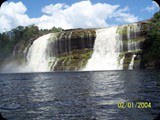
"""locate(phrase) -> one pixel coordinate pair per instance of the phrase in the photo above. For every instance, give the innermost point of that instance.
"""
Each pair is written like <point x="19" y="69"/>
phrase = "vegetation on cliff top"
<point x="25" y="35"/>
<point x="152" y="43"/>
<point x="21" y="34"/>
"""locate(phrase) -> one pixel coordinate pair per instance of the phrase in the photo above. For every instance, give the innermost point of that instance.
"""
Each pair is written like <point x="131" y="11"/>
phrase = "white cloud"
<point x="52" y="9"/>
<point x="11" y="15"/>
<point x="125" y="16"/>
<point x="81" y="14"/>
<point x="152" y="8"/>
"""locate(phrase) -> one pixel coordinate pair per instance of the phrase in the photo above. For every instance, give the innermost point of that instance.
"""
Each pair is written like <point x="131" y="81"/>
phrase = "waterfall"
<point x="38" y="56"/>
<point x="69" y="41"/>
<point x="114" y="48"/>
<point x="133" y="45"/>
<point x="133" y="33"/>
<point x="106" y="51"/>
<point x="132" y="63"/>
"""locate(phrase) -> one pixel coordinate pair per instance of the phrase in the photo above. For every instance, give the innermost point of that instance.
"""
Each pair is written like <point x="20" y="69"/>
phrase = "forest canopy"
<point x="9" y="39"/>
<point x="152" y="43"/>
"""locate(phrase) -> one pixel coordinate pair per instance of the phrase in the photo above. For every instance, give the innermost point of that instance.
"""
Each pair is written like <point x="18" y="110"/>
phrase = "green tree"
<point x="20" y="36"/>
<point x="54" y="29"/>
<point x="30" y="31"/>
<point x="152" y="43"/>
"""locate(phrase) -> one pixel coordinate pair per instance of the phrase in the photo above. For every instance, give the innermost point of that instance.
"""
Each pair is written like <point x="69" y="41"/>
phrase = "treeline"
<point x="9" y="39"/>
<point x="152" y="43"/>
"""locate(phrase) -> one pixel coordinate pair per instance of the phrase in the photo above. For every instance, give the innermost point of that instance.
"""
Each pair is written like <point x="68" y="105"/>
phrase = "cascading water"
<point x="115" y="48"/>
<point x="109" y="45"/>
<point x="133" y="45"/>
<point x="69" y="41"/>
<point x="38" y="56"/>
<point x="133" y="33"/>
<point x="107" y="48"/>
<point x="132" y="63"/>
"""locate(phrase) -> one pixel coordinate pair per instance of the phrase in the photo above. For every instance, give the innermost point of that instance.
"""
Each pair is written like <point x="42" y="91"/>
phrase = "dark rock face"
<point x="21" y="49"/>
<point x="73" y="39"/>
<point x="72" y="48"/>
<point x="133" y="37"/>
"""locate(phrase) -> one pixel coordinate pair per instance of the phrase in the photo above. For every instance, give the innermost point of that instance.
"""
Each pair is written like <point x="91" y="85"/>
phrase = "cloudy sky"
<point x="74" y="13"/>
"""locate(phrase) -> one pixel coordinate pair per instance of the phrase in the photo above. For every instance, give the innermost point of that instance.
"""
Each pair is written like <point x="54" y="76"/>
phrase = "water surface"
<point x="79" y="95"/>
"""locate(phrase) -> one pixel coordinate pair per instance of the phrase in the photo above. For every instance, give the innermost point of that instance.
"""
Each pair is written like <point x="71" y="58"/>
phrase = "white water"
<point x="69" y="41"/>
<point x="132" y="63"/>
<point x="107" y="48"/>
<point x="37" y="55"/>
<point x="135" y="29"/>
<point x="133" y="45"/>
<point x="106" y="51"/>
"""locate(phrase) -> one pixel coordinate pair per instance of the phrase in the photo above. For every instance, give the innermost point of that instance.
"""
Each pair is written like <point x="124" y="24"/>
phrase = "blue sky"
<point x="136" y="6"/>
<point x="74" y="13"/>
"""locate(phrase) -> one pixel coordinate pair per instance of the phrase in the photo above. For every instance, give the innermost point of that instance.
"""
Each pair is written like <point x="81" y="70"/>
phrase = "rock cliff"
<point x="70" y="50"/>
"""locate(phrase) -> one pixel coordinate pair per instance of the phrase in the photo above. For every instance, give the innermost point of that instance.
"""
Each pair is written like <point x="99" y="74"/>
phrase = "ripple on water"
<point x="78" y="95"/>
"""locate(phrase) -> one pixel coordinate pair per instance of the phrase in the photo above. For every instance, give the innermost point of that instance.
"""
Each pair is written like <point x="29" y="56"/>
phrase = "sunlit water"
<point x="79" y="95"/>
